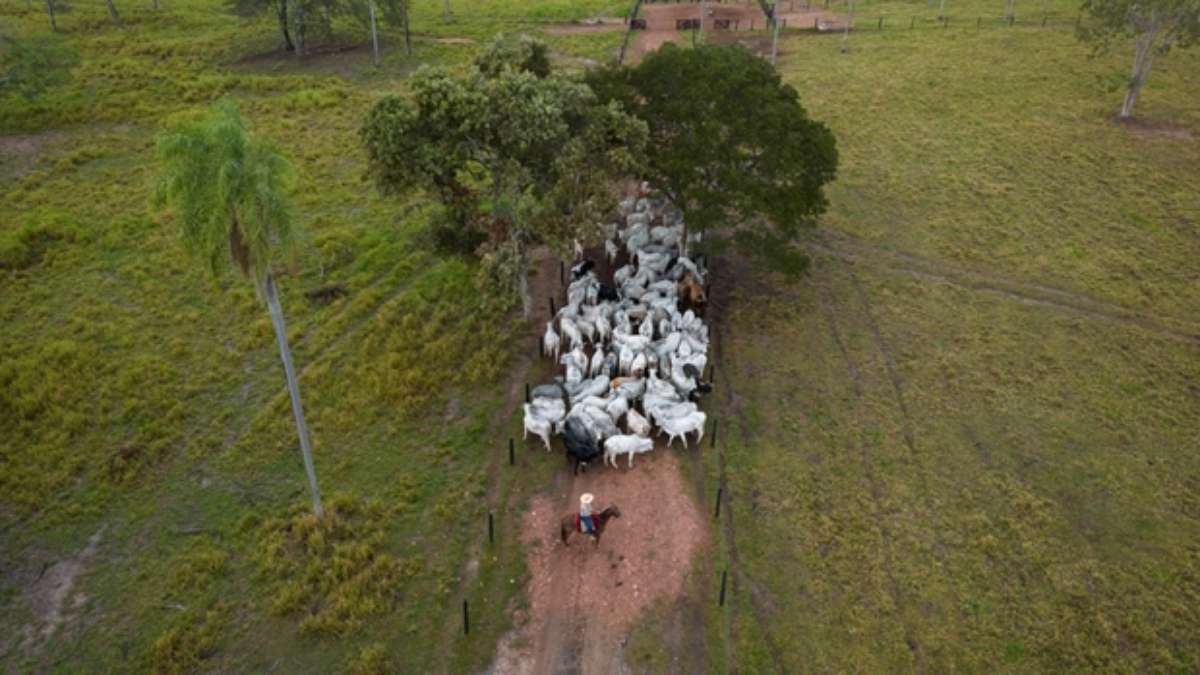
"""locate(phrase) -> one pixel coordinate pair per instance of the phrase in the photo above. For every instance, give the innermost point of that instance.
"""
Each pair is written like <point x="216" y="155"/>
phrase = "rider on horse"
<point x="586" y="525"/>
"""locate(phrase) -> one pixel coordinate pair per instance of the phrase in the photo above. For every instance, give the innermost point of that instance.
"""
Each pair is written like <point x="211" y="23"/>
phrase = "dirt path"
<point x="584" y="598"/>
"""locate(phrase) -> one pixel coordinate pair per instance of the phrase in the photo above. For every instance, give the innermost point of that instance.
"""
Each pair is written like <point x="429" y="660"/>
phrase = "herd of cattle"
<point x="633" y="351"/>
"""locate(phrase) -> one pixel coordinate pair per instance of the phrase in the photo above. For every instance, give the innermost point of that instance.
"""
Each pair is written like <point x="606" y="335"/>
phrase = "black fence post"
<point x="527" y="392"/>
<point x="881" y="23"/>
<point x="713" y="442"/>
<point x="718" y="512"/>
<point x="562" y="273"/>
<point x="467" y="617"/>
<point x="913" y="23"/>
<point x="978" y="21"/>
<point x="512" y="457"/>
<point x="723" y="573"/>
<point x="491" y="529"/>
<point x="552" y="310"/>
<point x="1043" y="21"/>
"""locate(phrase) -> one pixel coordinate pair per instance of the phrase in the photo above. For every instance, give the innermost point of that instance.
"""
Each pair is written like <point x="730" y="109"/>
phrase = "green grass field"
<point x="967" y="441"/>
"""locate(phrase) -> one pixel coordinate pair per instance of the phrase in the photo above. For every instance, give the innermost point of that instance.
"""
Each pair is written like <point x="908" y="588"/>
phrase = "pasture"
<point x="967" y="440"/>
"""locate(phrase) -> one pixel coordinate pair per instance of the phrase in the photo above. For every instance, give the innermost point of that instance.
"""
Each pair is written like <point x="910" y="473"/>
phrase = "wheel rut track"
<point x="723" y="271"/>
<point x="855" y="252"/>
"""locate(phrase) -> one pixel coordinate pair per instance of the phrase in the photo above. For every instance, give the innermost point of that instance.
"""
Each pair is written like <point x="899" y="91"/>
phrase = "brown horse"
<point x="691" y="291"/>
<point x="600" y="520"/>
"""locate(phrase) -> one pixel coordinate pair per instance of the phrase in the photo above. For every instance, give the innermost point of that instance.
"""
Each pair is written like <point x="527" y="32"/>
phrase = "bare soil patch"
<point x="583" y="598"/>
<point x="1155" y="129"/>
<point x="603" y="25"/>
<point x="48" y="590"/>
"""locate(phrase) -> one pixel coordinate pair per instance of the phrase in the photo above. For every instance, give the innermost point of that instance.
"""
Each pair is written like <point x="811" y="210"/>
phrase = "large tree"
<point x="517" y="155"/>
<point x="228" y="192"/>
<point x="29" y="66"/>
<point x="733" y="147"/>
<point x="1155" y="25"/>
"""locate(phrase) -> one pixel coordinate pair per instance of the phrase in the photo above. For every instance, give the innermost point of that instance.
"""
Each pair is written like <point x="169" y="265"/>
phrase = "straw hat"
<point x="585" y="499"/>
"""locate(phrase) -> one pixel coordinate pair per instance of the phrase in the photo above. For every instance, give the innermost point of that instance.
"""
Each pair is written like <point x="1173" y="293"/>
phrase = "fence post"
<point x="713" y="440"/>
<point x="881" y="23"/>
<point x="467" y="618"/>
<point x="1043" y="20"/>
<point x="1011" y="19"/>
<point x="552" y="310"/>
<point x="816" y="28"/>
<point x="491" y="529"/>
<point x="512" y="457"/>
<point x="527" y="392"/>
<point x="562" y="273"/>
<point x="718" y="512"/>
<point x="722" y="603"/>
<point x="912" y="24"/>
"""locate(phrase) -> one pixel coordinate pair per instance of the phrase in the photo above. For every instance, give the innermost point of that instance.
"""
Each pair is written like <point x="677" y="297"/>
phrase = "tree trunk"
<point x="775" y="36"/>
<point x="112" y="12"/>
<point x="50" y="8"/>
<point x="407" y="35"/>
<point x="1142" y="60"/>
<point x="637" y="5"/>
<point x="846" y="28"/>
<point x="523" y="287"/>
<point x="942" y="9"/>
<point x="374" y="32"/>
<point x="299" y="29"/>
<point x="156" y="5"/>
<point x="294" y="391"/>
<point x="446" y="10"/>
<point x="282" y="13"/>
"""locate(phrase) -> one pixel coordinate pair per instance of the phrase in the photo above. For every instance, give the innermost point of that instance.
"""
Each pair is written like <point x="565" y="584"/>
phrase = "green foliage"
<point x="1171" y="22"/>
<point x="30" y="66"/>
<point x="520" y="52"/>
<point x="332" y="571"/>
<point x="733" y="147"/>
<point x="228" y="191"/>
<point x="512" y="153"/>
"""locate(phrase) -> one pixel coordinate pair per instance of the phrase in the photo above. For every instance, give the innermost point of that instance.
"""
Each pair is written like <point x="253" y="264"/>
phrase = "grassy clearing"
<point x="143" y="400"/>
<point x="926" y="476"/>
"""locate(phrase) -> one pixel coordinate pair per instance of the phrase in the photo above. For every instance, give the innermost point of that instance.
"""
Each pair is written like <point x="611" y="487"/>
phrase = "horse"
<point x="570" y="524"/>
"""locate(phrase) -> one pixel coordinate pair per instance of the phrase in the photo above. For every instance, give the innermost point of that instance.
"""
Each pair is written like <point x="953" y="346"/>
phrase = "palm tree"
<point x="228" y="191"/>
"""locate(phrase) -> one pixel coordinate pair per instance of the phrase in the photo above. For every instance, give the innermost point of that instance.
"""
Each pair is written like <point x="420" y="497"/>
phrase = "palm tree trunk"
<point x="112" y="12"/>
<point x="50" y="8"/>
<point x="294" y="390"/>
<point x="374" y="32"/>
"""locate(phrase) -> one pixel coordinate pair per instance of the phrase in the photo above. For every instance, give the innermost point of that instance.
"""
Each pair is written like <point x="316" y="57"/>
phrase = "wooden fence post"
<point x="722" y="602"/>
<point x="467" y="618"/>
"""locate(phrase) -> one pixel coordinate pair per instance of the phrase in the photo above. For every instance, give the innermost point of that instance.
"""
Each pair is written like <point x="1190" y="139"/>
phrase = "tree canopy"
<point x="1155" y="25"/>
<point x="228" y="191"/>
<point x="732" y="146"/>
<point x="30" y="66"/>
<point x="518" y="155"/>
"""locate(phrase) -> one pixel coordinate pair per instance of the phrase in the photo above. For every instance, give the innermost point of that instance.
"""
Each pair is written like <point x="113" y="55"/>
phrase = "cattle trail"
<point x="584" y="598"/>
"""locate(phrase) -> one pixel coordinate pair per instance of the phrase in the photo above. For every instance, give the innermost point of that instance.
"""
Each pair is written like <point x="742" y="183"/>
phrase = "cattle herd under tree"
<point x="648" y="346"/>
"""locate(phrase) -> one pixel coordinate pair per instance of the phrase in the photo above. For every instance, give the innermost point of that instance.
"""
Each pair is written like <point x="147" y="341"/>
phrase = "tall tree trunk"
<point x="637" y="5"/>
<point x="1142" y="61"/>
<point x="775" y="36"/>
<point x="294" y="391"/>
<point x="50" y="8"/>
<point x="299" y="29"/>
<point x="407" y="34"/>
<point x="523" y="287"/>
<point x="846" y="28"/>
<point x="446" y="10"/>
<point x="374" y="32"/>
<point x="112" y="12"/>
<point x="282" y="13"/>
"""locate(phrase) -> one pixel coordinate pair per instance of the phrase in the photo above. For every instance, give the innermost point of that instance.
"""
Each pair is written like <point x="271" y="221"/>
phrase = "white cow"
<point x="629" y="445"/>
